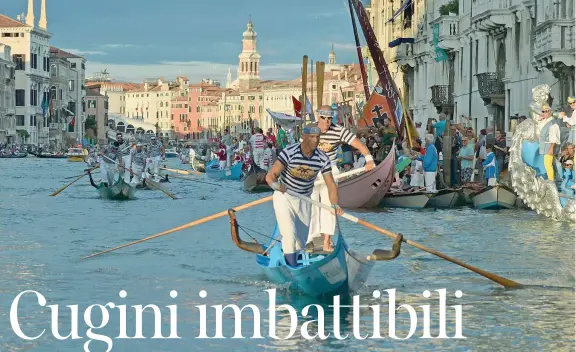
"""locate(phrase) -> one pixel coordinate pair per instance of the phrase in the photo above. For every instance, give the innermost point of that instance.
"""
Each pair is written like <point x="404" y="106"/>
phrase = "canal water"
<point x="43" y="238"/>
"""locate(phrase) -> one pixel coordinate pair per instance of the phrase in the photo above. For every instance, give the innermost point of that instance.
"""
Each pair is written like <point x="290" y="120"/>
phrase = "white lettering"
<point x="14" y="322"/>
<point x="272" y="315"/>
<point x="392" y="316"/>
<point x="337" y="319"/>
<point x="304" y="329"/>
<point x="237" y="321"/>
<point x="90" y="334"/>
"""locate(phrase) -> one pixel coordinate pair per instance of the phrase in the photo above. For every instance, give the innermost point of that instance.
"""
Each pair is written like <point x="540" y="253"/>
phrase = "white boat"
<point x="494" y="197"/>
<point x="171" y="153"/>
<point x="446" y="198"/>
<point x="409" y="200"/>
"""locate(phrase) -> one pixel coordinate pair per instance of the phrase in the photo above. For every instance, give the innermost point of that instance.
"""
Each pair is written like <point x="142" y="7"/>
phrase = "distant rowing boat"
<point x="13" y="156"/>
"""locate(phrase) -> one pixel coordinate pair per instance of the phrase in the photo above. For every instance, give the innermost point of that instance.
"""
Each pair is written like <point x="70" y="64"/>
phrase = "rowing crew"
<point x="298" y="167"/>
<point x="121" y="155"/>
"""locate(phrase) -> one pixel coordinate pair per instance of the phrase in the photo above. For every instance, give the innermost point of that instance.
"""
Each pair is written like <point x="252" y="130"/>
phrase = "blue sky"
<point x="137" y="39"/>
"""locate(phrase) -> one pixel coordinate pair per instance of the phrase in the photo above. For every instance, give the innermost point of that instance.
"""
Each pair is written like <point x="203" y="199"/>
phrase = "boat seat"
<point x="304" y="258"/>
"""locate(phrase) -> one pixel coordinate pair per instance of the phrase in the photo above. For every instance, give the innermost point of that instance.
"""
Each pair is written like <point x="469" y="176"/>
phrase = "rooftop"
<point x="7" y="22"/>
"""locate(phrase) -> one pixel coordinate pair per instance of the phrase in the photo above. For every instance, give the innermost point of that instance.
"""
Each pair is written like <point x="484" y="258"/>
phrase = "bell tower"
<point x="249" y="59"/>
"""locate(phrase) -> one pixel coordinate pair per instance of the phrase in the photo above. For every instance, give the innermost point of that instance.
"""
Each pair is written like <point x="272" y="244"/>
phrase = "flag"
<point x="51" y="107"/>
<point x="44" y="105"/>
<point x="297" y="107"/>
<point x="309" y="109"/>
<point x="73" y="122"/>
<point x="286" y="121"/>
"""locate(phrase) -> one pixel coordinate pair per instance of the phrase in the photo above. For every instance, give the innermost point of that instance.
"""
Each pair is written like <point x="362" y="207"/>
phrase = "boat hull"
<point x="255" y="182"/>
<point x="14" y="156"/>
<point x="340" y="271"/>
<point x="368" y="189"/>
<point x="233" y="174"/>
<point x="198" y="165"/>
<point x="76" y="158"/>
<point x="120" y="190"/>
<point x="448" y="198"/>
<point x="494" y="197"/>
<point x="44" y="156"/>
<point x="416" y="200"/>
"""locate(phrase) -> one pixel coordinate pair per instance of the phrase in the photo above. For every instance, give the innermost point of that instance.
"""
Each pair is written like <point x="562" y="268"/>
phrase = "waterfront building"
<point x="30" y="46"/>
<point x="476" y="60"/>
<point x="96" y="115"/>
<point x="7" y="96"/>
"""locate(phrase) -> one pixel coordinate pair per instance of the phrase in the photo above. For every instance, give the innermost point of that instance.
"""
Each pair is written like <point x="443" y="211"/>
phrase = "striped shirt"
<point x="124" y="148"/>
<point x="139" y="157"/>
<point x="300" y="172"/>
<point x="111" y="152"/>
<point x="257" y="141"/>
<point x="155" y="149"/>
<point x="331" y="140"/>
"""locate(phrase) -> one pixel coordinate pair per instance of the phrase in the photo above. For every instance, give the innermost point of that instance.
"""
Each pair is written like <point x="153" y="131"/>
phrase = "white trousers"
<point x="322" y="221"/>
<point x="293" y="217"/>
<point x="109" y="172"/>
<point x="127" y="161"/>
<point x="223" y="164"/>
<point x="155" y="164"/>
<point x="492" y="181"/>
<point x="139" y="175"/>
<point x="228" y="156"/>
<point x="258" y="154"/>
<point x="430" y="180"/>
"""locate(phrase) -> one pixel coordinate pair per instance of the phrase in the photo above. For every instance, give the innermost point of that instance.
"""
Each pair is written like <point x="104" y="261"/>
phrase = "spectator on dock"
<point x="466" y="157"/>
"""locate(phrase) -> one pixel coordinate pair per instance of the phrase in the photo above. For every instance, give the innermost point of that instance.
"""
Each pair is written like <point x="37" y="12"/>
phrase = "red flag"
<point x="73" y="122"/>
<point x="297" y="107"/>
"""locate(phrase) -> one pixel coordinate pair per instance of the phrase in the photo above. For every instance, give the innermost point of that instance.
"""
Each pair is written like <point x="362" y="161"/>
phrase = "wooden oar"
<point x="498" y="279"/>
<point x="70" y="184"/>
<point x="181" y="172"/>
<point x="188" y="225"/>
<point x="152" y="183"/>
<point x="190" y="179"/>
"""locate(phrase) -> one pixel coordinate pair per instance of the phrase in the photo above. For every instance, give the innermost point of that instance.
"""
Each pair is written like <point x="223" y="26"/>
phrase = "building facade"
<point x="476" y="60"/>
<point x="30" y="45"/>
<point x="7" y="96"/>
<point x="96" y="115"/>
<point x="67" y="98"/>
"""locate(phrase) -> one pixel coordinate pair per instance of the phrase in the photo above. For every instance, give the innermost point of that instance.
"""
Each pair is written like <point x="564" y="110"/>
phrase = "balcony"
<point x="448" y="32"/>
<point x="491" y="88"/>
<point x="442" y="96"/>
<point x="554" y="42"/>
<point x="492" y="14"/>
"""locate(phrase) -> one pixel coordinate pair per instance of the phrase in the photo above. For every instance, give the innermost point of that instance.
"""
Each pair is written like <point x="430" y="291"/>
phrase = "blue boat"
<point x="233" y="174"/>
<point x="318" y="273"/>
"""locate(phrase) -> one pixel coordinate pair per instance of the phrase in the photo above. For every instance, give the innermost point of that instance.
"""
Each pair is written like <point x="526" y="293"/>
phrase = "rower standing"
<point x="322" y="221"/>
<point x="156" y="152"/>
<point x="110" y="156"/>
<point x="139" y="157"/>
<point x="124" y="150"/>
<point x="298" y="166"/>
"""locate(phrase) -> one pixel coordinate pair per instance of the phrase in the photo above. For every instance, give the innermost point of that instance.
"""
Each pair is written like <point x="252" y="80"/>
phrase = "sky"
<point x="136" y="40"/>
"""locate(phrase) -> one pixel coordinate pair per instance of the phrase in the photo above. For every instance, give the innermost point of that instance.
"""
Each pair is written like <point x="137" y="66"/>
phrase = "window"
<point x="53" y="71"/>
<point x="20" y="61"/>
<point x="91" y="104"/>
<point x="71" y="85"/>
<point x="33" y="97"/>
<point x="34" y="61"/>
<point x="72" y="65"/>
<point x="20" y="120"/>
<point x="20" y="97"/>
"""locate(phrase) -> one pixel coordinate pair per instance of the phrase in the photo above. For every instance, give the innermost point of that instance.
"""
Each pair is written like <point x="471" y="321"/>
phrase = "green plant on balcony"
<point x="447" y="9"/>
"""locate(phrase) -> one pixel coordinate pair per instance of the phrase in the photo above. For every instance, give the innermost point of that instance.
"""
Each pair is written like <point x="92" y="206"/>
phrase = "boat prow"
<point x="120" y="190"/>
<point x="494" y="197"/>
<point x="255" y="181"/>
<point x="368" y="189"/>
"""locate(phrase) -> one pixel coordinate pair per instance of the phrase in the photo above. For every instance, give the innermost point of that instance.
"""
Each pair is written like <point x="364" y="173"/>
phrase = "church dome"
<point x="249" y="33"/>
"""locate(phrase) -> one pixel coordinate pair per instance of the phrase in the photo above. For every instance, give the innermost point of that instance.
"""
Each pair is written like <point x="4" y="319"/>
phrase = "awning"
<point x="400" y="10"/>
<point x="399" y="41"/>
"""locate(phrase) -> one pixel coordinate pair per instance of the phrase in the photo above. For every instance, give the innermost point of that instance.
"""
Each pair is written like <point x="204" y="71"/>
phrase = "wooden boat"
<point x="368" y="189"/>
<point x="446" y="198"/>
<point x="255" y="181"/>
<point x="233" y="174"/>
<point x="494" y="197"/>
<point x="52" y="156"/>
<point x="77" y="154"/>
<point x="409" y="200"/>
<point x="198" y="165"/>
<point x="120" y="190"/>
<point x="318" y="273"/>
<point x="15" y="155"/>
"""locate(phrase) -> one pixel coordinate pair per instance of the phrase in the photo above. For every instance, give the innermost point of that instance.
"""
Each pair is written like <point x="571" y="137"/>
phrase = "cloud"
<point x="116" y="46"/>
<point x="84" y="52"/>
<point x="194" y="70"/>
<point x="327" y="14"/>
<point x="344" y="46"/>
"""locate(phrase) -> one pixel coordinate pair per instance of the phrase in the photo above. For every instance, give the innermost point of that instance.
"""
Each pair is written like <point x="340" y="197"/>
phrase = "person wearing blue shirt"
<point x="430" y="163"/>
<point x="490" y="167"/>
